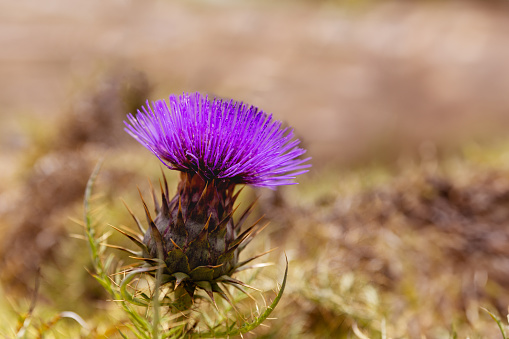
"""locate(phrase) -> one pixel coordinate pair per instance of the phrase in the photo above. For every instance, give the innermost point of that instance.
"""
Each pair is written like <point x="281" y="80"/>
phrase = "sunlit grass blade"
<point x="499" y="323"/>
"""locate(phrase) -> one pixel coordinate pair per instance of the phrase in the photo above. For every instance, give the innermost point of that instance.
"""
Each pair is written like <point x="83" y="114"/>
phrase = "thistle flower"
<point x="216" y="144"/>
<point x="218" y="139"/>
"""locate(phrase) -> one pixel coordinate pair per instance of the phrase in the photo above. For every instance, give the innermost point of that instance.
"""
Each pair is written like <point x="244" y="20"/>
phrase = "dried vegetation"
<point x="417" y="252"/>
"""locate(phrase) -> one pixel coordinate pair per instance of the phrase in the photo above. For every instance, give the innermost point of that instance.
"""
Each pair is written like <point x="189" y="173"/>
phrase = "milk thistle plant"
<point x="193" y="242"/>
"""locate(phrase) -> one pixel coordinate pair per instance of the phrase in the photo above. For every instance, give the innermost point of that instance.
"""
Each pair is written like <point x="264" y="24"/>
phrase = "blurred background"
<point x="403" y="106"/>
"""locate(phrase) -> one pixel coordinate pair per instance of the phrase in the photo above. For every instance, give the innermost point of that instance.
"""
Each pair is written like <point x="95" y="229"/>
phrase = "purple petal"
<point x="219" y="139"/>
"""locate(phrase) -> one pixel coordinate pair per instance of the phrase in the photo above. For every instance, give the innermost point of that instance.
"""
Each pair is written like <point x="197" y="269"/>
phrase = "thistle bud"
<point x="196" y="229"/>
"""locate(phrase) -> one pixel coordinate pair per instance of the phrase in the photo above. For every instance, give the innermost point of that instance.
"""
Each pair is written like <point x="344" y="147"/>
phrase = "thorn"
<point x="244" y="235"/>
<point x="251" y="237"/>
<point x="174" y="244"/>
<point x="158" y="239"/>
<point x="147" y="213"/>
<point x="136" y="220"/>
<point x="217" y="289"/>
<point x="165" y="182"/>
<point x="179" y="277"/>
<point x="245" y="262"/>
<point x="164" y="201"/>
<point x="232" y="281"/>
<point x="180" y="215"/>
<point x="203" y="193"/>
<point x="247" y="212"/>
<point x="134" y="239"/>
<point x="179" y="227"/>
<point x="236" y="195"/>
<point x="240" y="288"/>
<point x="153" y="192"/>
<point x="121" y="248"/>
<point x="205" y="228"/>
<point x="206" y="286"/>
<point x="225" y="220"/>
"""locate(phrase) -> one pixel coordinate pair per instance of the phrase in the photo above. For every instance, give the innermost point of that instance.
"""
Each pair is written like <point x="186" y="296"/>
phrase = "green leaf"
<point x="125" y="282"/>
<point x="198" y="250"/>
<point x="177" y="261"/>
<point x="202" y="273"/>
<point x="180" y="277"/>
<point x="122" y="334"/>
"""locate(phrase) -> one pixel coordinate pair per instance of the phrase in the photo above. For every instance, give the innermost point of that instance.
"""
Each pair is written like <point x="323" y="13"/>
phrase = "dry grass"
<point x="414" y="251"/>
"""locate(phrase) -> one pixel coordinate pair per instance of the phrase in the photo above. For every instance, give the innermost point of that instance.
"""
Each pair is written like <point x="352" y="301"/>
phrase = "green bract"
<point x="197" y="236"/>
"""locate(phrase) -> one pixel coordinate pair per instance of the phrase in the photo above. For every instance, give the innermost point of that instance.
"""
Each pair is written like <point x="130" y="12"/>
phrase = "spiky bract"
<point x="196" y="234"/>
<point x="219" y="139"/>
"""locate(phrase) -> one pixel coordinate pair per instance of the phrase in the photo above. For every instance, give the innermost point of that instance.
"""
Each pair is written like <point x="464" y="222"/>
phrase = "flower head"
<point x="219" y="139"/>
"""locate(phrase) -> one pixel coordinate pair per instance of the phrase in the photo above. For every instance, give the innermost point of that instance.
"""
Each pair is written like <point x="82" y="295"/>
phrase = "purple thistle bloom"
<point x="219" y="139"/>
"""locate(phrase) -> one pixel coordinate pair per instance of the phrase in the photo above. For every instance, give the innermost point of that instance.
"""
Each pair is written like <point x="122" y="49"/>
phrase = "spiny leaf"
<point x="132" y="238"/>
<point x="179" y="232"/>
<point x="183" y="297"/>
<point x="198" y="250"/>
<point x="246" y="213"/>
<point x="147" y="213"/>
<point x="153" y="192"/>
<point x="165" y="182"/>
<point x="229" y="255"/>
<point x="177" y="261"/>
<point x="190" y="288"/>
<point x="245" y="262"/>
<point x="175" y="245"/>
<point x="236" y="195"/>
<point x="202" y="273"/>
<point x="152" y="260"/>
<point x="246" y="233"/>
<point x="180" y="277"/>
<point x="218" y="290"/>
<point x="232" y="281"/>
<point x="240" y="288"/>
<point x="134" y="253"/>
<point x="227" y="260"/>
<point x="125" y="282"/>
<point x="251" y="237"/>
<point x="156" y="237"/>
<point x="222" y="224"/>
<point x="207" y="287"/>
<point x="136" y="220"/>
<point x="206" y="190"/>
